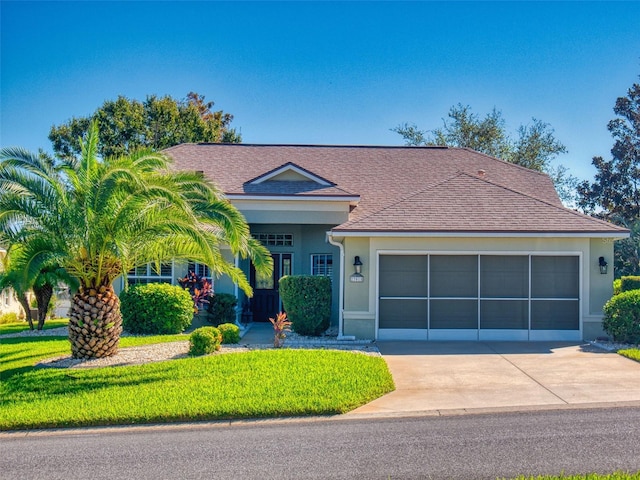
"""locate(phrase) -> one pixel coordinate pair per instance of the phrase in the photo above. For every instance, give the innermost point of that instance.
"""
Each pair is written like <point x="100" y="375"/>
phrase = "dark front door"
<point x="265" y="303"/>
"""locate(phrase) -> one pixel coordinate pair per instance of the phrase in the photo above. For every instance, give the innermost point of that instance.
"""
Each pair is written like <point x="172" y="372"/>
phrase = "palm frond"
<point x="94" y="219"/>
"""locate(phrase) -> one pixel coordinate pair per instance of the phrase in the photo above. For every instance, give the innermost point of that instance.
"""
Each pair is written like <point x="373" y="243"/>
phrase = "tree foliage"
<point x="535" y="146"/>
<point x="616" y="188"/>
<point x="156" y="123"/>
<point x="615" y="192"/>
<point x="12" y="277"/>
<point x="15" y="274"/>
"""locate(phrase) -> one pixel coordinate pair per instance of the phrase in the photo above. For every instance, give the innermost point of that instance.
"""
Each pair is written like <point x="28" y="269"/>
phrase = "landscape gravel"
<point x="175" y="350"/>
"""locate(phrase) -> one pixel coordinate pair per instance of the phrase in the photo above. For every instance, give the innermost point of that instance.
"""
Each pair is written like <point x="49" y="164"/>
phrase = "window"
<point x="200" y="270"/>
<point x="149" y="274"/>
<point x="275" y="239"/>
<point x="322" y="264"/>
<point x="6" y="294"/>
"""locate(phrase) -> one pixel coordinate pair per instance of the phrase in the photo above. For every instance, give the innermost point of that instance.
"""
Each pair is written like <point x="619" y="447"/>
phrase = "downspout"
<point x="236" y="292"/>
<point x="341" y="335"/>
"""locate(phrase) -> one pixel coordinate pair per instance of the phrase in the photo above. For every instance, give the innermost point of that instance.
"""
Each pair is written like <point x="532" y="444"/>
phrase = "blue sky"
<point x="325" y="73"/>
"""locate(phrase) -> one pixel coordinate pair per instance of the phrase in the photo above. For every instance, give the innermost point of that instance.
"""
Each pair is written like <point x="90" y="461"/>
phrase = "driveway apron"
<point x="437" y="376"/>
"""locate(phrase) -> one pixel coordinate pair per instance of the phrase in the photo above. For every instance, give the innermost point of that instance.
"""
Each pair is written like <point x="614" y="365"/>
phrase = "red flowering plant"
<point x="199" y="287"/>
<point x="280" y="326"/>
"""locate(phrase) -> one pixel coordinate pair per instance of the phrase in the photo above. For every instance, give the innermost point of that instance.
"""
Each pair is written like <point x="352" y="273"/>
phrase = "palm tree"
<point x="12" y="278"/>
<point x="15" y="275"/>
<point x="44" y="285"/>
<point x="99" y="218"/>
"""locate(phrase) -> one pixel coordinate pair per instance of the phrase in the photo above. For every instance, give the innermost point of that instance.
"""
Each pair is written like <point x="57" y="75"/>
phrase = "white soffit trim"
<point x="290" y="167"/>
<point x="616" y="236"/>
<point x="295" y="198"/>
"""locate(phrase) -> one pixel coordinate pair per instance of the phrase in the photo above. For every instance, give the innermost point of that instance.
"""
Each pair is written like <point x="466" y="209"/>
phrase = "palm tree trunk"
<point x="95" y="323"/>
<point x="43" y="298"/>
<point x="27" y="309"/>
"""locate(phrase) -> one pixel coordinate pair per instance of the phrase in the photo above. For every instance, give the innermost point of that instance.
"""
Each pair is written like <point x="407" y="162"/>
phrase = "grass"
<point x="18" y="327"/>
<point x="264" y="383"/>
<point x="588" y="476"/>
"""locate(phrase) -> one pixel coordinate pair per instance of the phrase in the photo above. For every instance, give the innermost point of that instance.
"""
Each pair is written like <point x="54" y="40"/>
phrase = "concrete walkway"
<point x="454" y="377"/>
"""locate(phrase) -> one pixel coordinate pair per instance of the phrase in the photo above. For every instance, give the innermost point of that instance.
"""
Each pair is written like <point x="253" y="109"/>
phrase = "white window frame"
<point x="6" y="297"/>
<point x="328" y="270"/>
<point x="275" y="239"/>
<point x="150" y="277"/>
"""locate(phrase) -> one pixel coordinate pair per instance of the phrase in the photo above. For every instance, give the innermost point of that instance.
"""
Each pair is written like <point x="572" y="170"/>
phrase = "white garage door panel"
<point x="402" y="334"/>
<point x="555" y="335"/>
<point x="504" y="335"/>
<point x="444" y="334"/>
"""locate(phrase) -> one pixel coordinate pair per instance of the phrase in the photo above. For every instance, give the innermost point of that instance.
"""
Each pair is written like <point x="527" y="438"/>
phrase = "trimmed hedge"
<point x="156" y="308"/>
<point x="617" y="286"/>
<point x="307" y="301"/>
<point x="622" y="317"/>
<point x="230" y="333"/>
<point x="222" y="308"/>
<point x="629" y="283"/>
<point x="204" y="340"/>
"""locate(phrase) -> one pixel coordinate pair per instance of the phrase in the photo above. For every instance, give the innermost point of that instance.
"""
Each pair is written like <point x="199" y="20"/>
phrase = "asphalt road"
<point x="453" y="447"/>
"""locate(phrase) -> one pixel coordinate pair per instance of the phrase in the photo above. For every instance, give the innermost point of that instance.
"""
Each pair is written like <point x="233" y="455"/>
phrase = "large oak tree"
<point x="615" y="192"/>
<point x="156" y="123"/>
<point x="535" y="146"/>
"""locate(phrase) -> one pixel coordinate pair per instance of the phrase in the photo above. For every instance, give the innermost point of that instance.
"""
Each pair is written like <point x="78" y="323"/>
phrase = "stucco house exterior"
<point x="429" y="243"/>
<point x="8" y="300"/>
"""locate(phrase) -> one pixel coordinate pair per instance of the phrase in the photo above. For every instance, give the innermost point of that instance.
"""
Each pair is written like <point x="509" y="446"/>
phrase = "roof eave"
<point x="617" y="235"/>
<point x="294" y="198"/>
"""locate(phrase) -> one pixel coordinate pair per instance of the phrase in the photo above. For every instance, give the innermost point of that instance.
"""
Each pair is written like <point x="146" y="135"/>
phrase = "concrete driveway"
<point x="454" y="377"/>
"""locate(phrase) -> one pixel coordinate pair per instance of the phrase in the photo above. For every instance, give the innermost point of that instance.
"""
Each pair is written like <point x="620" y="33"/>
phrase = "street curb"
<point x="454" y="412"/>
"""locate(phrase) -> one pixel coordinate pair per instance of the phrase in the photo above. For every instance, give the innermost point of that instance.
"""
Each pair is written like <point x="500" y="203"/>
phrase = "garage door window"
<point x="403" y="291"/>
<point x="504" y="292"/>
<point x="454" y="291"/>
<point x="555" y="294"/>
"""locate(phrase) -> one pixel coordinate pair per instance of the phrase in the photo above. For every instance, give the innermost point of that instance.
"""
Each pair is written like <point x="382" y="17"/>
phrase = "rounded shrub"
<point x="222" y="308"/>
<point x="9" y="317"/>
<point x="230" y="333"/>
<point x="307" y="301"/>
<point x="156" y="308"/>
<point x="622" y="317"/>
<point x="204" y="340"/>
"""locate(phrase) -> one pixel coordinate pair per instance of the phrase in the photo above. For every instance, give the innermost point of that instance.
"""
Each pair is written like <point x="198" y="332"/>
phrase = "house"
<point x="8" y="300"/>
<point x="420" y="242"/>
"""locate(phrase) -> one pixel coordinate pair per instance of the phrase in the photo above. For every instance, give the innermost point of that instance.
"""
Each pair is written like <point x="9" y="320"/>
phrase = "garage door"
<point x="479" y="297"/>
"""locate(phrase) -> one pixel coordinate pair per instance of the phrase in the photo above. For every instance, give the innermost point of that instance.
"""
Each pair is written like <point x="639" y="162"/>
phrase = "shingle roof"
<point x="401" y="189"/>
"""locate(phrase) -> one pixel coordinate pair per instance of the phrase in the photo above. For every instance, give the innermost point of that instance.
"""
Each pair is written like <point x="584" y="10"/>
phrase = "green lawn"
<point x="266" y="383"/>
<point x="21" y="326"/>
<point x="588" y="476"/>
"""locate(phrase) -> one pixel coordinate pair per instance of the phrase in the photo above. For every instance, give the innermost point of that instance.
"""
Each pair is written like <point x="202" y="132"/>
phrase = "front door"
<point x="265" y="303"/>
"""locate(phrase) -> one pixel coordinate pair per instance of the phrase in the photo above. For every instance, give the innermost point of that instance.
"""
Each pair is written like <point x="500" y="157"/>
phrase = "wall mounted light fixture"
<point x="357" y="276"/>
<point x="602" y="263"/>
